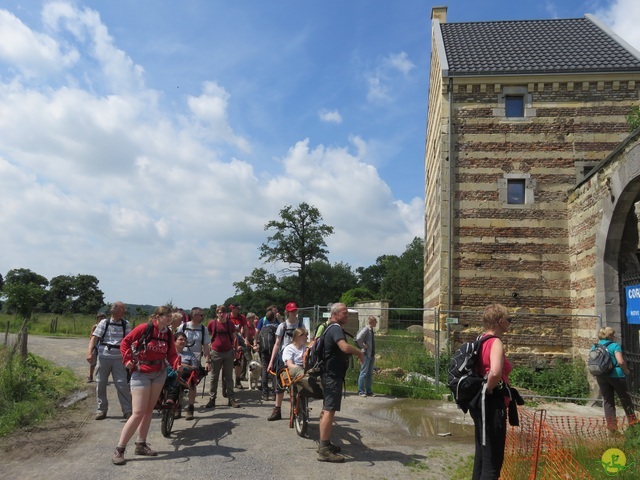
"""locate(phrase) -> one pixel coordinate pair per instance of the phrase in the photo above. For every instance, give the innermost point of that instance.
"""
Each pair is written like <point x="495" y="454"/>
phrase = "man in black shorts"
<point x="336" y="355"/>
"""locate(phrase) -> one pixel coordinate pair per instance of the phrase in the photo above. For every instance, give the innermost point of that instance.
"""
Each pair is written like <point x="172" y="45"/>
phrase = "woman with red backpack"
<point x="145" y="351"/>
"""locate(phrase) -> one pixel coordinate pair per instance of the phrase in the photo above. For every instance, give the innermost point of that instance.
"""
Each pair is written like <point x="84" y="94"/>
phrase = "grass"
<point x="30" y="391"/>
<point x="52" y="324"/>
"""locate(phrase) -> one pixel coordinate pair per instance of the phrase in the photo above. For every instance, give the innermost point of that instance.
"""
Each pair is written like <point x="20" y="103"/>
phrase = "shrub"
<point x="563" y="379"/>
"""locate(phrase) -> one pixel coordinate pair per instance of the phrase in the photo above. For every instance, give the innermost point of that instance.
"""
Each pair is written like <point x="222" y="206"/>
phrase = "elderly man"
<point x="336" y="355"/>
<point x="364" y="338"/>
<point x="199" y="343"/>
<point x="107" y="336"/>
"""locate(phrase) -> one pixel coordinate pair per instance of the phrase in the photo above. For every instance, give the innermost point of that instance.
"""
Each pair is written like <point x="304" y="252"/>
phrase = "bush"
<point x="563" y="379"/>
<point x="30" y="390"/>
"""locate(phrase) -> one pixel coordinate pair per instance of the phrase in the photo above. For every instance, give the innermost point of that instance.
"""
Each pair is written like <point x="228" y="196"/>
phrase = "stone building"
<point x="531" y="172"/>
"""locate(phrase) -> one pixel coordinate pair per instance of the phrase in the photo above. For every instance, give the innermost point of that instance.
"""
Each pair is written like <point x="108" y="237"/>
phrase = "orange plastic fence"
<point x="547" y="447"/>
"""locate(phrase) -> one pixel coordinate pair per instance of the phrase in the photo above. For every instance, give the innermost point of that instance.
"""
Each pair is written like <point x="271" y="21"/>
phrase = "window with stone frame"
<point x="514" y="104"/>
<point x="516" y="190"/>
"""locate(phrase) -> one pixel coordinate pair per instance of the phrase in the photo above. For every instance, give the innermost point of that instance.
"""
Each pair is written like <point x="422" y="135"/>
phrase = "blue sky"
<point x="148" y="143"/>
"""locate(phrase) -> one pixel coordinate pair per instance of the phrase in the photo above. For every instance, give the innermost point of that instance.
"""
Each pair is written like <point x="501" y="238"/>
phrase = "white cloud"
<point x="31" y="53"/>
<point x="155" y="200"/>
<point x="381" y="80"/>
<point x="400" y="62"/>
<point x="623" y="16"/>
<point x="330" y="116"/>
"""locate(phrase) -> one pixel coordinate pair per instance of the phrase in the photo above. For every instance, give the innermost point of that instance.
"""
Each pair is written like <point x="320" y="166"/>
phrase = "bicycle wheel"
<point x="301" y="415"/>
<point x="167" y="421"/>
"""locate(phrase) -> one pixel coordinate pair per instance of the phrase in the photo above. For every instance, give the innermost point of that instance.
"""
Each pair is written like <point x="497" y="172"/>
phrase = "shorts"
<point x="145" y="380"/>
<point x="332" y="388"/>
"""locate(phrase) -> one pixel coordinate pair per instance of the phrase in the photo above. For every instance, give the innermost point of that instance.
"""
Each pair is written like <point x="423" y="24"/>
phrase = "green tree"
<point x="403" y="282"/>
<point x="326" y="283"/>
<point x="259" y="290"/>
<point x="371" y="277"/>
<point x="60" y="294"/>
<point x="355" y="295"/>
<point x="87" y="297"/>
<point x="633" y="119"/>
<point x="298" y="238"/>
<point x="24" y="292"/>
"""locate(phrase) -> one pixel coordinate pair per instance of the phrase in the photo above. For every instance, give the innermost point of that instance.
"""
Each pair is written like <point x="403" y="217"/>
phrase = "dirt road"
<point x="225" y="442"/>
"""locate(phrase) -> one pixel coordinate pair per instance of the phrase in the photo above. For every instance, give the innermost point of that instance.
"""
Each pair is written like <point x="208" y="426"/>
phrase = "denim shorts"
<point x="145" y="380"/>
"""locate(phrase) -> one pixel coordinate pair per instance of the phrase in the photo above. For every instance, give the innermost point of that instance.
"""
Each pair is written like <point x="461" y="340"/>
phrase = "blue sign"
<point x="632" y="294"/>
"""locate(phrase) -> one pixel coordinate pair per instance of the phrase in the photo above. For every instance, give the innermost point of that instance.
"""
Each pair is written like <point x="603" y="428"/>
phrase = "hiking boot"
<point x="101" y="415"/>
<point x="239" y="386"/>
<point x="275" y="415"/>
<point x="143" y="449"/>
<point x="333" y="448"/>
<point x="126" y="415"/>
<point x="326" y="455"/>
<point x="232" y="403"/>
<point x="118" y="456"/>
<point x="189" y="415"/>
<point x="211" y="403"/>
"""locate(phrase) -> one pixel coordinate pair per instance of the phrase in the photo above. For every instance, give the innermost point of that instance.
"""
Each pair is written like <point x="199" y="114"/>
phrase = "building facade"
<point x="530" y="170"/>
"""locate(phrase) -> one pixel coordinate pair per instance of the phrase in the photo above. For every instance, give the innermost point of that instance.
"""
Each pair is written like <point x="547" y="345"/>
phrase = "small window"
<point x="514" y="106"/>
<point x="515" y="191"/>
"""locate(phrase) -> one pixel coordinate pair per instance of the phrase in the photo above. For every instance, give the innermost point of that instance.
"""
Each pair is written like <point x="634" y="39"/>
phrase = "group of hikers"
<point x="176" y="350"/>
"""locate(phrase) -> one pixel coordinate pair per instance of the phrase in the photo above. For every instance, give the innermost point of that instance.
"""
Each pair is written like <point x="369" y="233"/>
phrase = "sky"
<point x="148" y="143"/>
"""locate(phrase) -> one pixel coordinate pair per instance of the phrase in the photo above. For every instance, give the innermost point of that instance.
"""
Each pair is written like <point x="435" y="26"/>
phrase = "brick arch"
<point x="624" y="187"/>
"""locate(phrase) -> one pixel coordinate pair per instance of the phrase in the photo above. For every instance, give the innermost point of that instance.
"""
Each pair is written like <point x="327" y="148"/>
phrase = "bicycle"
<point x="299" y="399"/>
<point x="169" y="407"/>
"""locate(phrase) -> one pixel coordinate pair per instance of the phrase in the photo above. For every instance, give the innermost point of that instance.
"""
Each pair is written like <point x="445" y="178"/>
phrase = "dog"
<point x="255" y="371"/>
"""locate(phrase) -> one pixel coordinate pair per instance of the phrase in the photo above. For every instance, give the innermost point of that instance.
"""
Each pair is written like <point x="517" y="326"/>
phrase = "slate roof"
<point x="575" y="45"/>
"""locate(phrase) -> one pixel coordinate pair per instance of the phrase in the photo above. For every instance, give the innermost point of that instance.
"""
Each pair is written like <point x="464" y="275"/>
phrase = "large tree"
<point x="298" y="239"/>
<point x="75" y="294"/>
<point x="403" y="281"/>
<point x="24" y="291"/>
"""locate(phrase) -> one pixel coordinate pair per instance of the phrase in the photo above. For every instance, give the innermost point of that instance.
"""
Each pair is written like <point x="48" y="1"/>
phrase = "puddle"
<point x="428" y="418"/>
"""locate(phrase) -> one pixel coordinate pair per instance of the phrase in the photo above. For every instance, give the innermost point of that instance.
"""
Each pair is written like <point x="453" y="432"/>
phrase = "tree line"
<point x="296" y="244"/>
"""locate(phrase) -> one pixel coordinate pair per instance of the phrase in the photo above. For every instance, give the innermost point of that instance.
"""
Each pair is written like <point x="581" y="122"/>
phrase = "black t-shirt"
<point x="336" y="361"/>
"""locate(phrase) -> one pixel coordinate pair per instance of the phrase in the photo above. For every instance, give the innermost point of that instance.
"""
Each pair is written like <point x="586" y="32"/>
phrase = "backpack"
<point x="599" y="362"/>
<point x="140" y="345"/>
<point x="289" y="331"/>
<point x="182" y="329"/>
<point x="106" y="327"/>
<point x="464" y="381"/>
<point x="267" y="338"/>
<point x="313" y="357"/>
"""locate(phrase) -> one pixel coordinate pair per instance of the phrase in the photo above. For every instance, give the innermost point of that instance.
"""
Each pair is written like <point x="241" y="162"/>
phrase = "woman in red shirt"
<point x="491" y="421"/>
<point x="145" y="352"/>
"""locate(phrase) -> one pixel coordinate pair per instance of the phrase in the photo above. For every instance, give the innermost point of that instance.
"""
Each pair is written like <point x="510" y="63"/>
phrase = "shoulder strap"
<point x="109" y="322"/>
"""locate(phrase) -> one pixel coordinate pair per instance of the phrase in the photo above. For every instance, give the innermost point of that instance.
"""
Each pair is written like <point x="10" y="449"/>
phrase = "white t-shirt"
<point x="290" y="352"/>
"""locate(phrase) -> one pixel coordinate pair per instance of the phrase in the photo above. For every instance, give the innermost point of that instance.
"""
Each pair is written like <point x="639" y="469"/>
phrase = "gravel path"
<point x="224" y="443"/>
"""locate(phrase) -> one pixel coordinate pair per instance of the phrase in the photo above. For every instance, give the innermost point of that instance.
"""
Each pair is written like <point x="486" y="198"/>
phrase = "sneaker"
<point x="177" y="414"/>
<point x="126" y="415"/>
<point x="232" y="403"/>
<point x="333" y="448"/>
<point x="89" y="380"/>
<point x="101" y="415"/>
<point x="326" y="455"/>
<point x="265" y="398"/>
<point x="118" y="456"/>
<point x="239" y="386"/>
<point x="371" y="394"/>
<point x="143" y="449"/>
<point x="189" y="415"/>
<point x="362" y="394"/>
<point x="275" y="415"/>
<point x="211" y="403"/>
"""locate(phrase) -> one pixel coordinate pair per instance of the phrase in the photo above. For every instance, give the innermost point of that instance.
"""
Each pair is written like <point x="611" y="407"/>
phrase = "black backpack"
<point x="267" y="338"/>
<point x="464" y="380"/>
<point x="600" y="362"/>
<point x="313" y="357"/>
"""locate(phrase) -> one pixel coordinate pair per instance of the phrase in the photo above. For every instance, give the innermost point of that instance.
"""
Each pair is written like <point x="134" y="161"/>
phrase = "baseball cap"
<point x="291" y="307"/>
<point x="231" y="307"/>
